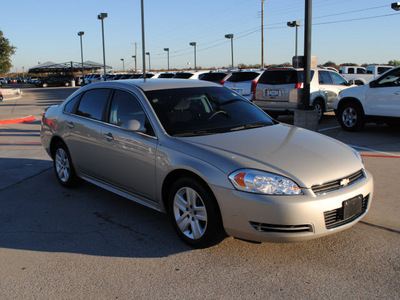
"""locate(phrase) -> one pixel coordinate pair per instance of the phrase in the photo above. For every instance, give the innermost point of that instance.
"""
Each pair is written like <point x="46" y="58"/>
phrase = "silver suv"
<point x="279" y="90"/>
<point x="243" y="82"/>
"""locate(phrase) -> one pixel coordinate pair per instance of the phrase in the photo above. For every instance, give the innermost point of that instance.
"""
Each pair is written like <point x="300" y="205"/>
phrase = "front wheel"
<point x="194" y="214"/>
<point x="351" y="117"/>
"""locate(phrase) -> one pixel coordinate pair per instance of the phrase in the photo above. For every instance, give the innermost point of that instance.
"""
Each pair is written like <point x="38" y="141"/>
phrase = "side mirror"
<point x="351" y="82"/>
<point x="133" y="126"/>
<point x="373" y="84"/>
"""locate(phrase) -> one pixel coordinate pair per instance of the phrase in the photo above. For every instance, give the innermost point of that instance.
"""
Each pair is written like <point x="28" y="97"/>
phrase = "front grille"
<point x="334" y="218"/>
<point x="262" y="227"/>
<point x="338" y="184"/>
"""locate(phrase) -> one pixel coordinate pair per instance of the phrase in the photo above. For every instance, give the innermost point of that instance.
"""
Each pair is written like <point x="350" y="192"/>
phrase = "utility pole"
<point x="262" y="34"/>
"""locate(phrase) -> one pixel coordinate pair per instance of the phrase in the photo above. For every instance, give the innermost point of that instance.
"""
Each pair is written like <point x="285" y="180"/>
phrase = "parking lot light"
<point x="123" y="65"/>
<point x="101" y="17"/>
<point x="294" y="24"/>
<point x="396" y="6"/>
<point x="148" y="53"/>
<point x="194" y="45"/>
<point x="134" y="57"/>
<point x="230" y="36"/>
<point x="80" y="34"/>
<point x="167" y="49"/>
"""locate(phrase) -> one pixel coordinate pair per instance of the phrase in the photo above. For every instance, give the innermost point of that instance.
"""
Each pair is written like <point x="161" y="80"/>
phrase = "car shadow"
<point x="38" y="214"/>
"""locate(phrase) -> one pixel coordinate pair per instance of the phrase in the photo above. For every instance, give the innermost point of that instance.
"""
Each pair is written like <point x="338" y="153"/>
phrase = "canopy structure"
<point x="66" y="67"/>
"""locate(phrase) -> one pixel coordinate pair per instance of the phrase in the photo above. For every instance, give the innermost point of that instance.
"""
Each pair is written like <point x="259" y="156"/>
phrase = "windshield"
<point x="205" y="110"/>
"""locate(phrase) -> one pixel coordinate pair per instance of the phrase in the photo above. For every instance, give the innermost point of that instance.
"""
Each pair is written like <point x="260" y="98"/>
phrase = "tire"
<point x="63" y="166"/>
<point x="194" y="213"/>
<point x="351" y="116"/>
<point x="320" y="107"/>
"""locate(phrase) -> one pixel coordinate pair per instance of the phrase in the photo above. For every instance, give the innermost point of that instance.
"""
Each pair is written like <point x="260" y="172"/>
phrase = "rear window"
<point x="166" y="75"/>
<point x="215" y="77"/>
<point x="243" y="76"/>
<point x="274" y="77"/>
<point x="183" y="75"/>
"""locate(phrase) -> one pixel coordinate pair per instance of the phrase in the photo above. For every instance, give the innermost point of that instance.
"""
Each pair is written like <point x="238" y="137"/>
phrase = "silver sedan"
<point x="216" y="163"/>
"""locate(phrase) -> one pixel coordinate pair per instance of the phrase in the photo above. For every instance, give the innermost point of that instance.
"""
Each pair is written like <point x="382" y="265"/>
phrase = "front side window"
<point x="93" y="103"/>
<point x="125" y="107"/>
<point x="205" y="110"/>
<point x="390" y="79"/>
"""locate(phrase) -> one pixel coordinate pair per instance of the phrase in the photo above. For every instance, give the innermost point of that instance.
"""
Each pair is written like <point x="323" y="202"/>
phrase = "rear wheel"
<point x="63" y="166"/>
<point x="194" y="214"/>
<point x="351" y="117"/>
<point x="320" y="107"/>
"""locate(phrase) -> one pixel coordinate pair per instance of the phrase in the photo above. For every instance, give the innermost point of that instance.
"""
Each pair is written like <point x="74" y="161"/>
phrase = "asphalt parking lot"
<point x="86" y="243"/>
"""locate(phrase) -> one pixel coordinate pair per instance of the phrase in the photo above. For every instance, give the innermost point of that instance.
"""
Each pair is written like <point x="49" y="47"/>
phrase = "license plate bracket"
<point x="352" y="207"/>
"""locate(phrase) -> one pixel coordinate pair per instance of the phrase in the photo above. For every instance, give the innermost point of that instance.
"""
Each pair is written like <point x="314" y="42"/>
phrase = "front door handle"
<point x="397" y="93"/>
<point x="108" y="136"/>
<point x="70" y="124"/>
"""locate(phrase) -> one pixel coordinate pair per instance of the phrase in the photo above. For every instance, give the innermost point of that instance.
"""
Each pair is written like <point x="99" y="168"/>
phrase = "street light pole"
<point x="295" y="24"/>
<point x="230" y="36"/>
<point x="80" y="33"/>
<point x="101" y="17"/>
<point x="123" y="65"/>
<point x="167" y="49"/>
<point x="262" y="34"/>
<point x="134" y="57"/>
<point x="194" y="45"/>
<point x="148" y="53"/>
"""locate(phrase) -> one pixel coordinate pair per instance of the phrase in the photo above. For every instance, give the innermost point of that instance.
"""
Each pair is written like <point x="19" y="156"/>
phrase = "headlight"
<point x="358" y="155"/>
<point x="259" y="182"/>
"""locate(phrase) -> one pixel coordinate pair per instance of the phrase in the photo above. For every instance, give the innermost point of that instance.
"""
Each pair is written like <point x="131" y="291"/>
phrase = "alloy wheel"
<point x="190" y="213"/>
<point x="62" y="164"/>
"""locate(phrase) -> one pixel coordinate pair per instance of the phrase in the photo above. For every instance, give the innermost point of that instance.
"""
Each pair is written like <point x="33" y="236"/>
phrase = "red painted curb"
<point x="380" y="156"/>
<point x="15" y="121"/>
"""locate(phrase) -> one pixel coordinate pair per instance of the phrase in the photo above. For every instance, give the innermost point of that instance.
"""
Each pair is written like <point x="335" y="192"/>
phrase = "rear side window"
<point x="279" y="77"/>
<point x="243" y="76"/>
<point x="93" y="103"/>
<point x="325" y="78"/>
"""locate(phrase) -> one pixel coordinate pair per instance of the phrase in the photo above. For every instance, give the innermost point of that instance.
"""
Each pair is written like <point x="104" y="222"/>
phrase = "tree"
<point x="6" y="50"/>
<point x="331" y="64"/>
<point x="394" y="63"/>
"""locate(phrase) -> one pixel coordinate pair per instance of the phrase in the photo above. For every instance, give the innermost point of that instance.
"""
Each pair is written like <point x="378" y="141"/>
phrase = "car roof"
<point x="154" y="84"/>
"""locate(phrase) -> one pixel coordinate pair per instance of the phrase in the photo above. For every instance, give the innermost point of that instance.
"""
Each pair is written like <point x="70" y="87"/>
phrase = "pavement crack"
<point x="381" y="227"/>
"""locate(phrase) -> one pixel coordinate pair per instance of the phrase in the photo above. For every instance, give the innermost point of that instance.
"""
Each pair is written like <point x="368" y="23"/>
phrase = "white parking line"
<point x="329" y="128"/>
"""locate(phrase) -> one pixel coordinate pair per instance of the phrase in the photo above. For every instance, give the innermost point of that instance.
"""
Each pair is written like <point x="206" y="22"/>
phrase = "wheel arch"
<point x="182" y="173"/>
<point x="344" y="101"/>
<point x="54" y="141"/>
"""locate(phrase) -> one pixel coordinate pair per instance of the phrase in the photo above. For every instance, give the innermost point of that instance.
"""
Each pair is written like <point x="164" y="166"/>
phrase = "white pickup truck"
<point x="361" y="75"/>
<point x="377" y="102"/>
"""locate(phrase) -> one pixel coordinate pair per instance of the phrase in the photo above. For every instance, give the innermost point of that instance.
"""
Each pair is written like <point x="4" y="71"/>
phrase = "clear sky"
<point x="359" y="31"/>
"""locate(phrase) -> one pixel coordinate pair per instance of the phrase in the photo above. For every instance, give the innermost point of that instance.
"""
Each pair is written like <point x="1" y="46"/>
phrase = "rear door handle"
<point x="108" y="136"/>
<point x="397" y="93"/>
<point x="70" y="124"/>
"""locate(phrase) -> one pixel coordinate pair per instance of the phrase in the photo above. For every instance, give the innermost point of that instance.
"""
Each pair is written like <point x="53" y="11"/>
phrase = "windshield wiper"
<point x="250" y="126"/>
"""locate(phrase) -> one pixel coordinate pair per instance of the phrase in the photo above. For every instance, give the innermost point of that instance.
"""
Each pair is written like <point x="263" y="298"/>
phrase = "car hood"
<point x="305" y="156"/>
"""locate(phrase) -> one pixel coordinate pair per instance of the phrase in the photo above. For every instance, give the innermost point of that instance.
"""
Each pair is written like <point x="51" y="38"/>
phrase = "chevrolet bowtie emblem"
<point x="344" y="182"/>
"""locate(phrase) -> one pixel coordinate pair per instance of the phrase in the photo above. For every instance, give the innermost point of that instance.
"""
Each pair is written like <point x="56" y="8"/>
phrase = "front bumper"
<point x="265" y="218"/>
